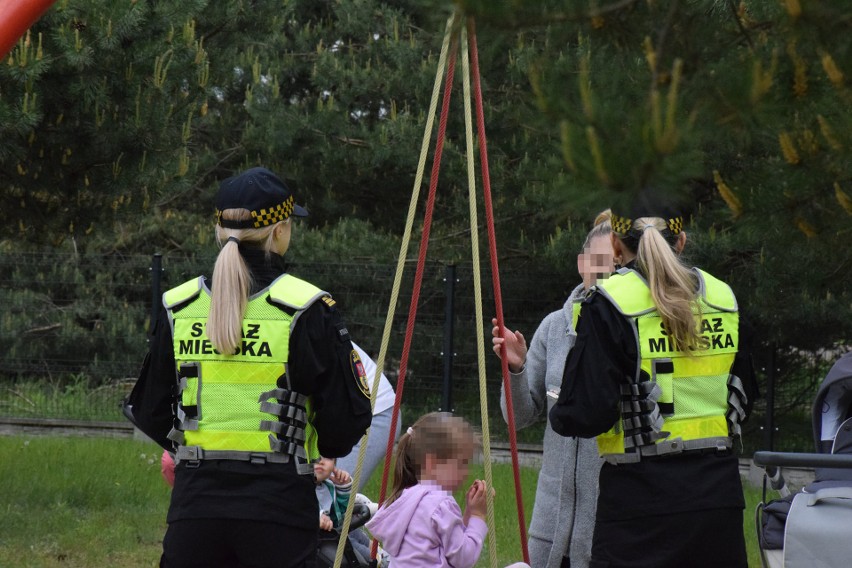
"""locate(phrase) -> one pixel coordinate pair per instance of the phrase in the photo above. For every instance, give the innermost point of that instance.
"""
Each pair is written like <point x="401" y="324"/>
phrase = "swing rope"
<point x="380" y="363"/>
<point x="495" y="276"/>
<point x="421" y="260"/>
<point x="470" y="61"/>
<point x="477" y="293"/>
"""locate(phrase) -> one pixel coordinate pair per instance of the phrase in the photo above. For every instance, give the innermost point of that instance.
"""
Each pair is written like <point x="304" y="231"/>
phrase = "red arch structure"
<point x="16" y="17"/>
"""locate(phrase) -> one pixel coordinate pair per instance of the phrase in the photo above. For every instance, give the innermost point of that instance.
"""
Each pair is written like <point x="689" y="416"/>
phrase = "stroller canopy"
<point x="832" y="418"/>
<point x="833" y="403"/>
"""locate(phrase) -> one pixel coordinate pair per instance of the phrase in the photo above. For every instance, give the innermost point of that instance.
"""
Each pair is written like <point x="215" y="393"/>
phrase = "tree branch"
<point x="743" y="31"/>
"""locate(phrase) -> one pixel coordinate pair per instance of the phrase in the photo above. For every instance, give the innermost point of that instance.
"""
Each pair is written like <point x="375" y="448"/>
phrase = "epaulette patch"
<point x="360" y="373"/>
<point x="328" y="301"/>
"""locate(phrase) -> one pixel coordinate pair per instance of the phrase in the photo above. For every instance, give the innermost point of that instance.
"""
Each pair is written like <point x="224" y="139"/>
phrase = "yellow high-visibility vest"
<point x="684" y="405"/>
<point x="241" y="406"/>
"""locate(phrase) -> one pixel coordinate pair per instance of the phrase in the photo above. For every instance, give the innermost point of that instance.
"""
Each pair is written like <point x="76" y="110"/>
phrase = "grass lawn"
<point x="96" y="502"/>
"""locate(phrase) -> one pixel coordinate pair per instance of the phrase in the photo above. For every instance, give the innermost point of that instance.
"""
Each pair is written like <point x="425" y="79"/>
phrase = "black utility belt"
<point x="668" y="448"/>
<point x="695" y="452"/>
<point x="192" y="457"/>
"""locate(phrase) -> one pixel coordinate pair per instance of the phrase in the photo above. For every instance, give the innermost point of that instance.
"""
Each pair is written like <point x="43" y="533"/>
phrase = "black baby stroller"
<point x="814" y="526"/>
<point x="362" y="511"/>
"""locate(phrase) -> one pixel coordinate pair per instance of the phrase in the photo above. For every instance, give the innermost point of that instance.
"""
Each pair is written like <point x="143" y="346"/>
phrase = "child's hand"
<point x="476" y="501"/>
<point x="325" y="522"/>
<point x="341" y="477"/>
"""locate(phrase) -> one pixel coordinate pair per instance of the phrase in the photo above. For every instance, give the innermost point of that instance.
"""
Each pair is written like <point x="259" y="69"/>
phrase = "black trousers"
<point x="230" y="543"/>
<point x="697" y="539"/>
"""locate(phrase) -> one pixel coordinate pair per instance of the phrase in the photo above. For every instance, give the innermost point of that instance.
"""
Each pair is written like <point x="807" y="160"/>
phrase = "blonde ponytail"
<point x="673" y="285"/>
<point x="232" y="281"/>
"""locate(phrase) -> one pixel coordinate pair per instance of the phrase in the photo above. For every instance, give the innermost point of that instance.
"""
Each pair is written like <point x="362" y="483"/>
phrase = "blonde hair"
<point x="439" y="434"/>
<point x="601" y="228"/>
<point x="232" y="281"/>
<point x="673" y="285"/>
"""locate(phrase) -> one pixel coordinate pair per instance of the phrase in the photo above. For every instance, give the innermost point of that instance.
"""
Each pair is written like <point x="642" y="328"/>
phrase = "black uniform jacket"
<point x="319" y="366"/>
<point x="603" y="358"/>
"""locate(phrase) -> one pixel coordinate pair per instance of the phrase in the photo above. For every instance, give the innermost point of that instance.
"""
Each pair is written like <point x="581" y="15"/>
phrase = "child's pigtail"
<point x="404" y="472"/>
<point x="439" y="434"/>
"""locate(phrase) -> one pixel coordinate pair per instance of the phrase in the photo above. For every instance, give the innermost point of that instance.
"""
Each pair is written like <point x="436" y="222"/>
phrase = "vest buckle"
<point x="257" y="459"/>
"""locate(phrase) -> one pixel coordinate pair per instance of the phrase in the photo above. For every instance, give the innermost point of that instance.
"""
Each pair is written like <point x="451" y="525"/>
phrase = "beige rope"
<point x="477" y="290"/>
<point x="403" y="252"/>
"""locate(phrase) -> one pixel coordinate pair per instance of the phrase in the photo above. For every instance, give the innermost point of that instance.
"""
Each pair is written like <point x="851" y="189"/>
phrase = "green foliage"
<point x="735" y="109"/>
<point x="72" y="397"/>
<point x="73" y="314"/>
<point x="349" y="240"/>
<point x="107" y="97"/>
<point x="81" y="502"/>
<point x="119" y="120"/>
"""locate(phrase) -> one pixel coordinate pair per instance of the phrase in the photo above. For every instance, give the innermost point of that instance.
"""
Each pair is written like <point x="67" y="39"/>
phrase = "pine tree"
<point x="119" y="119"/>
<point x="737" y="109"/>
<point x="340" y="103"/>
<point x="100" y="103"/>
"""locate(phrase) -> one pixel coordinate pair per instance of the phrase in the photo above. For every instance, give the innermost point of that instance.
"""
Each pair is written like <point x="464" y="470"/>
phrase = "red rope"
<point x="418" y="276"/>
<point x="495" y="275"/>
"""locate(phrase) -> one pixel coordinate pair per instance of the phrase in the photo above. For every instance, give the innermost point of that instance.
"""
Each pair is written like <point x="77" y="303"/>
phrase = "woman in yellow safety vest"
<point x="661" y="375"/>
<point x="251" y="376"/>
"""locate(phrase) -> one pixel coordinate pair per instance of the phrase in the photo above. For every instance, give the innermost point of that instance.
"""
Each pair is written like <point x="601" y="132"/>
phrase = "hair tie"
<point x="410" y="431"/>
<point x="234" y="239"/>
<point x="623" y="226"/>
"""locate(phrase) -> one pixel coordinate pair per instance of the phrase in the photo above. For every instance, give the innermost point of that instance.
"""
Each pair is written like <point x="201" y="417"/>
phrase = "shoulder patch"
<point x="360" y="373"/>
<point x="328" y="301"/>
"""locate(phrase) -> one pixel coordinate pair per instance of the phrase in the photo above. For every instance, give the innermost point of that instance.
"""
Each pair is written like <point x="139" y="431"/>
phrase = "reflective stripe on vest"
<point x="232" y="406"/>
<point x="684" y="406"/>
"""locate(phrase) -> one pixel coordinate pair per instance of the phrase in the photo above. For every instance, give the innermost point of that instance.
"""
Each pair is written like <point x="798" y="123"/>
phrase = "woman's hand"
<point x="325" y="522"/>
<point x="516" y="346"/>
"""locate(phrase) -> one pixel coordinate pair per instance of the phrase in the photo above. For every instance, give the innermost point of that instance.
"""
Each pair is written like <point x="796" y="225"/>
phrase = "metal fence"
<point x="73" y="335"/>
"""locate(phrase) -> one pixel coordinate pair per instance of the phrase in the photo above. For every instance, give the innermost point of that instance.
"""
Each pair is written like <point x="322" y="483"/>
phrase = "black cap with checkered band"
<point x="261" y="192"/>
<point x="650" y="203"/>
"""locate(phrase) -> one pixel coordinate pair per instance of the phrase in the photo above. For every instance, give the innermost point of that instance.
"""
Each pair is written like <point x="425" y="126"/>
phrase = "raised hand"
<point x="341" y="477"/>
<point x="516" y="346"/>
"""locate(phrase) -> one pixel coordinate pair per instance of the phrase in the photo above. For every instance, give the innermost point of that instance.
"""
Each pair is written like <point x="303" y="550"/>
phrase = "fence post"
<point x="769" y="428"/>
<point x="156" y="293"/>
<point x="449" y="326"/>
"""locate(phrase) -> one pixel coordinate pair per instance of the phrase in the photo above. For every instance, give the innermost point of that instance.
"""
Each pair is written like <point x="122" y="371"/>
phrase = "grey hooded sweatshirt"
<point x="563" y="518"/>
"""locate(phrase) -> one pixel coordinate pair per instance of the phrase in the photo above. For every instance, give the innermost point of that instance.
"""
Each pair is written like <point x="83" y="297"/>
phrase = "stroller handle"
<point x="791" y="459"/>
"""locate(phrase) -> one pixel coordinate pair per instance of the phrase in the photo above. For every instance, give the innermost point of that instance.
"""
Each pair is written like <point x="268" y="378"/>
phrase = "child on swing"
<point x="421" y="525"/>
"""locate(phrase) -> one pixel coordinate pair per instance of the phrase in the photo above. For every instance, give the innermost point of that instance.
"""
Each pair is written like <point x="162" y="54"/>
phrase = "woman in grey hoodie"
<point x="563" y="519"/>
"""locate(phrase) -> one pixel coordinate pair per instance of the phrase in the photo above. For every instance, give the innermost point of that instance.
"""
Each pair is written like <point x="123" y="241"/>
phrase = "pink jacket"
<point x="424" y="529"/>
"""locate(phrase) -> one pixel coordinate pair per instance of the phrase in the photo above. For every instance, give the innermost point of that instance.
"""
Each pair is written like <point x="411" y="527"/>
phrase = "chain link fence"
<point x="73" y="333"/>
